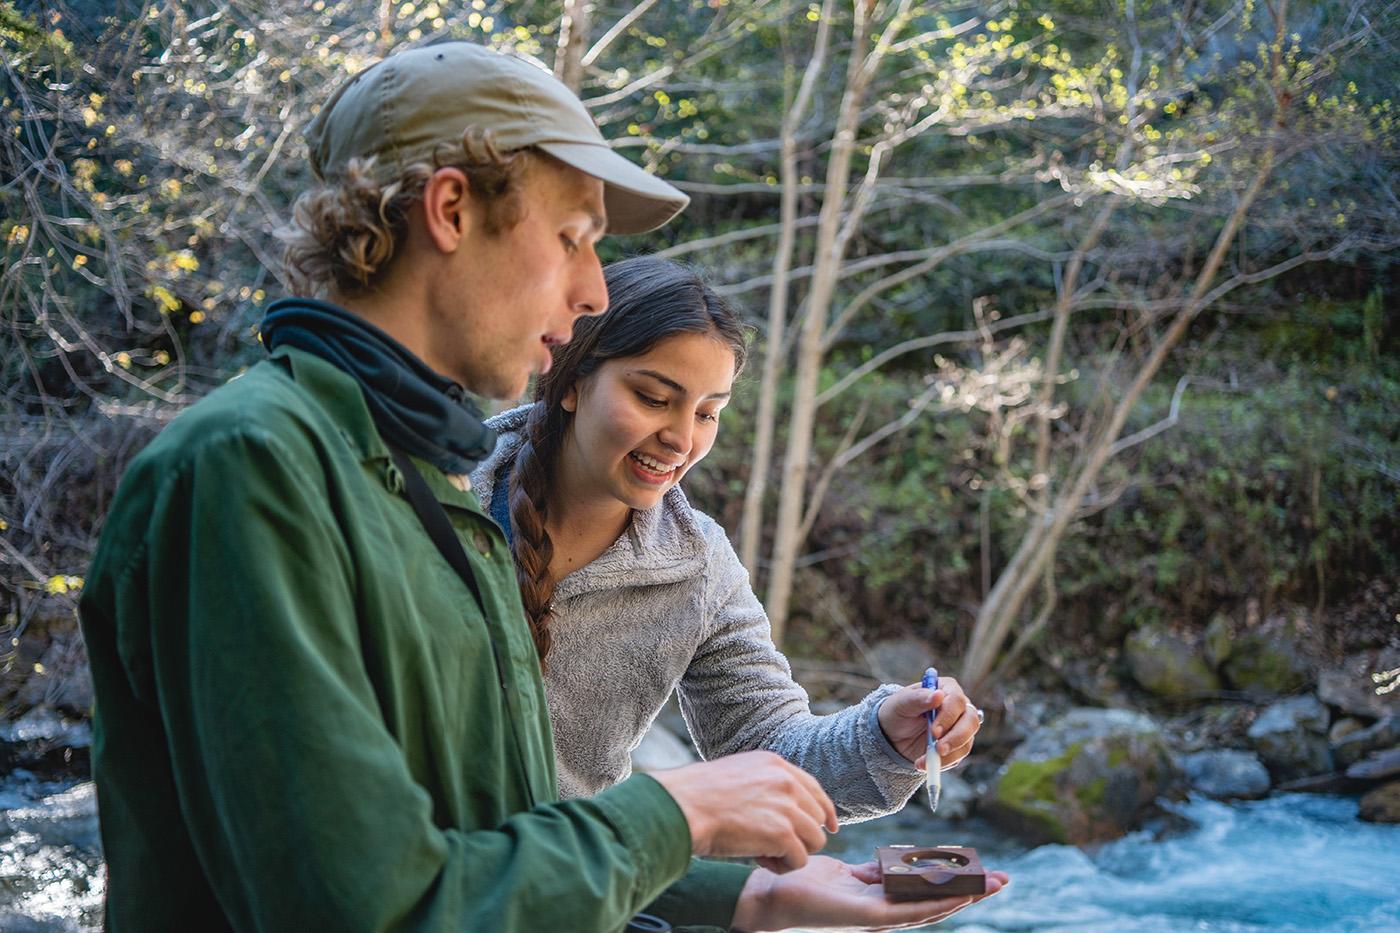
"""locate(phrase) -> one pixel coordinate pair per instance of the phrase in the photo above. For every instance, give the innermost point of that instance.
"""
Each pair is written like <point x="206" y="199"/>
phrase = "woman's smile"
<point x="650" y="470"/>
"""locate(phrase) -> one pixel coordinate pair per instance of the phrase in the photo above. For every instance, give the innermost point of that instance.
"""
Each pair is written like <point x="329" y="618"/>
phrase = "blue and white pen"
<point x="933" y="775"/>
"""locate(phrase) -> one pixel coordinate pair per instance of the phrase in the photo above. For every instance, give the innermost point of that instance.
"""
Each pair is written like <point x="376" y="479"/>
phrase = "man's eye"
<point x="570" y="246"/>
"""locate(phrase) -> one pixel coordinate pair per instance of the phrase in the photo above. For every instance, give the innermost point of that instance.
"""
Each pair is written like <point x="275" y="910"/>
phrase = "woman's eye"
<point x="707" y="417"/>
<point x="650" y="402"/>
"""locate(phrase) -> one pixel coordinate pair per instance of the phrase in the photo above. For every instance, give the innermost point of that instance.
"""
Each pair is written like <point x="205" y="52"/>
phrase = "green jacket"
<point x="298" y="719"/>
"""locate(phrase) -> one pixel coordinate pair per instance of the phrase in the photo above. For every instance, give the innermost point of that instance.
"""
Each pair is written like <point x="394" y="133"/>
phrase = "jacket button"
<point x="393" y="479"/>
<point x="482" y="542"/>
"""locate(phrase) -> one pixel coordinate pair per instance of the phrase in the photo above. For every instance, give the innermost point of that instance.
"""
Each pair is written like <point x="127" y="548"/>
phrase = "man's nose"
<point x="590" y="293"/>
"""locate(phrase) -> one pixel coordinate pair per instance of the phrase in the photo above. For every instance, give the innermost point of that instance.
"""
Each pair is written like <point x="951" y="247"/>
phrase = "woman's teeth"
<point x="651" y="465"/>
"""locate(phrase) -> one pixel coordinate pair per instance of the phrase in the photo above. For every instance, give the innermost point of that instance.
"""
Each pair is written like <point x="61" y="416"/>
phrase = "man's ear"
<point x="447" y="208"/>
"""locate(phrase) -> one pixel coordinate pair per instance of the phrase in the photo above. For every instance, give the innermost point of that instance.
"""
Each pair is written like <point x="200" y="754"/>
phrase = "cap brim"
<point x="636" y="201"/>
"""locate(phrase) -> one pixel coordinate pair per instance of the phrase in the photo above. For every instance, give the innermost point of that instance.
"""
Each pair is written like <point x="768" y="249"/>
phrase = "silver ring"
<point x="981" y="716"/>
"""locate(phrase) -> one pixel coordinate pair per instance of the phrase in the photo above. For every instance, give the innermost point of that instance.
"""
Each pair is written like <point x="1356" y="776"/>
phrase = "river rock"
<point x="1267" y="663"/>
<point x="1291" y="738"/>
<point x="1092" y="775"/>
<point x="1378" y="767"/>
<point x="1336" y="783"/>
<point x="660" y="749"/>
<point x="898" y="660"/>
<point x="1226" y="774"/>
<point x="956" y="800"/>
<point x="45" y="742"/>
<point x="1358" y="744"/>
<point x="1167" y="666"/>
<point x="1342" y="728"/>
<point x="1382" y="805"/>
<point x="1351" y="689"/>
<point x="1218" y="640"/>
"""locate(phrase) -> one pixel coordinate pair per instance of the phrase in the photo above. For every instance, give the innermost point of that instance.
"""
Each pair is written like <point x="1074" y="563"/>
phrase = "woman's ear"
<point x="570" y="400"/>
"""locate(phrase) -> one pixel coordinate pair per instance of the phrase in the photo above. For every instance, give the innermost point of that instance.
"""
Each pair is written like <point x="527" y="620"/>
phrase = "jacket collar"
<point x="340" y="395"/>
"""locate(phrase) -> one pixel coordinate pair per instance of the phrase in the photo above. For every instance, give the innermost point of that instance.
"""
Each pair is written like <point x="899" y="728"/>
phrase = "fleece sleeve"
<point x="738" y="694"/>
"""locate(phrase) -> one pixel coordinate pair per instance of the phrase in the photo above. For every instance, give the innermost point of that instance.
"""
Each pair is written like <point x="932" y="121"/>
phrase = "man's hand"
<point x="902" y="720"/>
<point x="830" y="893"/>
<point x="752" y="804"/>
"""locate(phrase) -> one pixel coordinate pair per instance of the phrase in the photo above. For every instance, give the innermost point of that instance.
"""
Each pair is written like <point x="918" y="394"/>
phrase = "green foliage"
<point x="147" y="161"/>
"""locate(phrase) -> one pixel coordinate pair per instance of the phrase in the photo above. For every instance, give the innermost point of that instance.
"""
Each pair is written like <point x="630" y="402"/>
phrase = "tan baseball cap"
<point x="403" y="108"/>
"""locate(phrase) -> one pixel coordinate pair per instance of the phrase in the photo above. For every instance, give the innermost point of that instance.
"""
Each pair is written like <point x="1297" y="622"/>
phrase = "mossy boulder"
<point x="1218" y="640"/>
<point x="1167" y="666"/>
<point x="1092" y="775"/>
<point x="1267" y="663"/>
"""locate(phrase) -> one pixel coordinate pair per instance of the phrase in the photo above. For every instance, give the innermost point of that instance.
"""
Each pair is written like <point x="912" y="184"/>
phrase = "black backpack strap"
<point x="437" y="524"/>
<point x="439" y="528"/>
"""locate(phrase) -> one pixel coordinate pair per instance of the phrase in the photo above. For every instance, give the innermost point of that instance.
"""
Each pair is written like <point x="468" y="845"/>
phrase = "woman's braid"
<point x="530" y="541"/>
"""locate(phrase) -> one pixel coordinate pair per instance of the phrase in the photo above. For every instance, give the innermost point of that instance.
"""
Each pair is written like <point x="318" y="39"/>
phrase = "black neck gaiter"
<point x="416" y="410"/>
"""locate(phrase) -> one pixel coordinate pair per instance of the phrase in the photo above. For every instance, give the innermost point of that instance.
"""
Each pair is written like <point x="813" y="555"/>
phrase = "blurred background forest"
<point x="1074" y="318"/>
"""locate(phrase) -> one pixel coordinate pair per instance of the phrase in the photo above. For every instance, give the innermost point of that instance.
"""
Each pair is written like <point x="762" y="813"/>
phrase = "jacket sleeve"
<point x="298" y="801"/>
<point x="738" y="694"/>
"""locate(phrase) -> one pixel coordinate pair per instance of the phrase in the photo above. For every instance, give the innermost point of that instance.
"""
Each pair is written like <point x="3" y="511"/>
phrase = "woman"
<point x="631" y="593"/>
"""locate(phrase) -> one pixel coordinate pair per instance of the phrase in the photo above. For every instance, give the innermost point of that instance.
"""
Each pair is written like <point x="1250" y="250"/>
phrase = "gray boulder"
<point x="1167" y="666"/>
<point x="1351" y="689"/>
<point x="1380" y="766"/>
<point x="1341" y="728"/>
<point x="1359" y="743"/>
<point x="1226" y="774"/>
<point x="1091" y="775"/>
<point x="43" y="741"/>
<point x="1291" y="738"/>
<point x="956" y="800"/>
<point x="898" y="660"/>
<point x="1382" y="805"/>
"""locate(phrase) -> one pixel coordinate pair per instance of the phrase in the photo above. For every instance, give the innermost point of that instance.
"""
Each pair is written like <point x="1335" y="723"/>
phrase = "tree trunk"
<point x="751" y="524"/>
<point x="1004" y="604"/>
<point x="1008" y="597"/>
<point x="574" y="27"/>
<point x="827" y="262"/>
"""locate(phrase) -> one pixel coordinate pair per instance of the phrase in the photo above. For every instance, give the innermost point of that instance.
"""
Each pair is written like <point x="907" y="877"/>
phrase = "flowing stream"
<point x="1288" y="863"/>
<point x="1291" y="862"/>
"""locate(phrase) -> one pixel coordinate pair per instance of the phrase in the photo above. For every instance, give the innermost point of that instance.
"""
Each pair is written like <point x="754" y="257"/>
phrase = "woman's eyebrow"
<point x="673" y="384"/>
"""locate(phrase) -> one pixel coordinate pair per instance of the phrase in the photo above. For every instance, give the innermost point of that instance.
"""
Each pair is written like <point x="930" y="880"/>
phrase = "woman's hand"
<point x="830" y="893"/>
<point x="902" y="720"/>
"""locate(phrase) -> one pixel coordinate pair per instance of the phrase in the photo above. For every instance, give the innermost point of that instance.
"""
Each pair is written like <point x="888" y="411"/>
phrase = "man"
<point x="313" y="710"/>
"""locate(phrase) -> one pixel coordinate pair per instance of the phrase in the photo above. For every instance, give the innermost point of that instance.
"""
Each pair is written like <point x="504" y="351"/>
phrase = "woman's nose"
<point x="678" y="434"/>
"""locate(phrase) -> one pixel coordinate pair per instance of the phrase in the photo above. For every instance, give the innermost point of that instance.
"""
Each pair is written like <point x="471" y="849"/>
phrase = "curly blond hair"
<point x="343" y="234"/>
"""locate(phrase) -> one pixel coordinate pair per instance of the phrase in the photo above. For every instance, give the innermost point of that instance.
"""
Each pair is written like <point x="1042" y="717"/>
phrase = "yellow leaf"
<point x="60" y="583"/>
<point x="167" y="301"/>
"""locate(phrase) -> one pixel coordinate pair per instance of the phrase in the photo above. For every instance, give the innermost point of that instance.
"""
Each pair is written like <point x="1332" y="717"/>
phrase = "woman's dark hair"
<point x="649" y="300"/>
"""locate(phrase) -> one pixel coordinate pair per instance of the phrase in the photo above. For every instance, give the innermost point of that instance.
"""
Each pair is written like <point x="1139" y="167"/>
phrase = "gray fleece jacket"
<point x="666" y="607"/>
